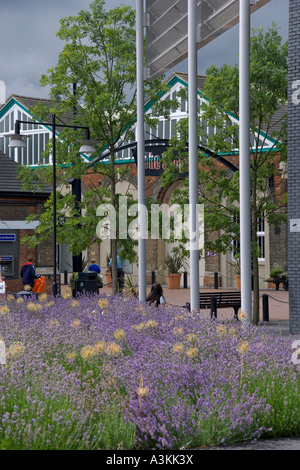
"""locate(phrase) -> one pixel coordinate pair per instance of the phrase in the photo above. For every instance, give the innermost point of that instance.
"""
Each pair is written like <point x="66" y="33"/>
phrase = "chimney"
<point x="2" y="92"/>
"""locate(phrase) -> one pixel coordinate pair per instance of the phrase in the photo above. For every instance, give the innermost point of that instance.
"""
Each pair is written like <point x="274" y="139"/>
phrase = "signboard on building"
<point x="154" y="165"/>
<point x="7" y="237"/>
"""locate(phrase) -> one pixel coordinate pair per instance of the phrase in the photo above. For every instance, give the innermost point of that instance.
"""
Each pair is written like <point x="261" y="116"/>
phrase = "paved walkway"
<point x="278" y="306"/>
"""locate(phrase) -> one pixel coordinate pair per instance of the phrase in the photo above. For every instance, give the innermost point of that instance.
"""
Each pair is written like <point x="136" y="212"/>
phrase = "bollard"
<point x="213" y="307"/>
<point x="265" y="307"/>
<point x="153" y="277"/>
<point x="216" y="280"/>
<point x="185" y="280"/>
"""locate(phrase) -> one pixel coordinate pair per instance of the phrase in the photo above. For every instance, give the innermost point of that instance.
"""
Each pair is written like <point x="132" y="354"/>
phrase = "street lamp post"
<point x="86" y="147"/>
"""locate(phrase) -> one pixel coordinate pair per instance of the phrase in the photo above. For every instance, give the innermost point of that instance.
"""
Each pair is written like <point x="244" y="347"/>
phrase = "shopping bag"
<point x="39" y="285"/>
<point x="2" y="287"/>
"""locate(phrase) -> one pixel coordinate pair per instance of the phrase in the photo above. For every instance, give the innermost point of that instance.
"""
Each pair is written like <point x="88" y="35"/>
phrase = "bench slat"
<point x="223" y="300"/>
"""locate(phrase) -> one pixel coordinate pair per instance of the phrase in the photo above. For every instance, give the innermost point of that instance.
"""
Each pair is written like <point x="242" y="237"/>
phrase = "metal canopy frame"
<point x="167" y="30"/>
<point x="176" y="29"/>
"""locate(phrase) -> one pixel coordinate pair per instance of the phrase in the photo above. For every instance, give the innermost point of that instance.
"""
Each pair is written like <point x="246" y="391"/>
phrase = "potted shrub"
<point x="237" y="271"/>
<point x="275" y="275"/>
<point x="172" y="265"/>
<point x="285" y="278"/>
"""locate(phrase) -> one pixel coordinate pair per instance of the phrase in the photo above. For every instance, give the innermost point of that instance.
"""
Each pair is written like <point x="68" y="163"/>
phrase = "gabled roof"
<point x="27" y="102"/>
<point x="9" y="183"/>
<point x="183" y="77"/>
<point x="276" y="120"/>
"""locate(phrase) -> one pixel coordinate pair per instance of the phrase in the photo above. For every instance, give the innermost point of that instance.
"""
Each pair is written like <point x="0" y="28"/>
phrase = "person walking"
<point x="28" y="274"/>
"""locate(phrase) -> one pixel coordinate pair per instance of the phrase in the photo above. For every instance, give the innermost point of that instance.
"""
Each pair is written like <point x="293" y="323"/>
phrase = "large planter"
<point x="238" y="281"/>
<point x="173" y="280"/>
<point x="108" y="279"/>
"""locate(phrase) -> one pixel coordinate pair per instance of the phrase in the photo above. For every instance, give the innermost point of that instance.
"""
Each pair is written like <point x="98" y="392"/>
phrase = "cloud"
<point x="29" y="46"/>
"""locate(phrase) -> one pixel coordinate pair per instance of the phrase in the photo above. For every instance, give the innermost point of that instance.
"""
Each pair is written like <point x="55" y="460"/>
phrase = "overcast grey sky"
<point x="29" y="45"/>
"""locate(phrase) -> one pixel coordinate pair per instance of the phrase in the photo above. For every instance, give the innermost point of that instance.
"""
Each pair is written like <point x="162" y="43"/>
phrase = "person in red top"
<point x="27" y="273"/>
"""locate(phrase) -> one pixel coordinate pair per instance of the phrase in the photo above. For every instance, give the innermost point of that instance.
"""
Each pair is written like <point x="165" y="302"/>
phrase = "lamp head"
<point x="16" y="140"/>
<point x="87" y="147"/>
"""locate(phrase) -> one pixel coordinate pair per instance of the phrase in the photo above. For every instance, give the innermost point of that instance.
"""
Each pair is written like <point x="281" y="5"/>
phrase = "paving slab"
<point x="264" y="444"/>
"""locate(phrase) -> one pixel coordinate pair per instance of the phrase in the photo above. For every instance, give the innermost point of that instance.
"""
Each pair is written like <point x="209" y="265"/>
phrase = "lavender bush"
<point x="109" y="373"/>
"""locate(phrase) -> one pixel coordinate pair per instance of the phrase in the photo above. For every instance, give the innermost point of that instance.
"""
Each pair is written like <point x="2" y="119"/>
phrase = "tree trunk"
<point x="255" y="271"/>
<point x="113" y="241"/>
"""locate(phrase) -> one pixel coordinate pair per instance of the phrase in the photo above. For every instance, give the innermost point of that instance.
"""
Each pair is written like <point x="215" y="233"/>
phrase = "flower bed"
<point x="108" y="373"/>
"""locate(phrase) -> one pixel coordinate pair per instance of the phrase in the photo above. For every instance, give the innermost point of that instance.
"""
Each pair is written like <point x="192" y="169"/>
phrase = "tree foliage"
<point x="99" y="57"/>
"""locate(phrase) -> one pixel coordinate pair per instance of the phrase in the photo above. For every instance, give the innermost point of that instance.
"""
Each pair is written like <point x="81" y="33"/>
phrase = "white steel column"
<point x="141" y="148"/>
<point x="193" y="153"/>
<point x="244" y="151"/>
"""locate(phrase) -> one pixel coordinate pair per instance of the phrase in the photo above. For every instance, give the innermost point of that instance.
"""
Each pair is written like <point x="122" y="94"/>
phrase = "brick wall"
<point x="293" y="163"/>
<point x="17" y="209"/>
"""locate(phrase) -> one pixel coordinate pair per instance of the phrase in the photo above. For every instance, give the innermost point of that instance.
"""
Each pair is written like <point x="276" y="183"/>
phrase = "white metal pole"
<point x="244" y="151"/>
<point x="193" y="153"/>
<point x="141" y="148"/>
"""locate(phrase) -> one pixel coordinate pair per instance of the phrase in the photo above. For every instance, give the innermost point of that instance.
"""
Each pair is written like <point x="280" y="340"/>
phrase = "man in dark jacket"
<point x="27" y="273"/>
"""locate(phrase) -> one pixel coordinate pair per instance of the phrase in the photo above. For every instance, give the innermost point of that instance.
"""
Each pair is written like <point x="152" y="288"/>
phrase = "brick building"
<point x="15" y="206"/>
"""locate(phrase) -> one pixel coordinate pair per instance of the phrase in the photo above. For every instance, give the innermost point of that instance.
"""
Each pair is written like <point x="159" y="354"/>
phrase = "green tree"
<point x="99" y="56"/>
<point x="218" y="186"/>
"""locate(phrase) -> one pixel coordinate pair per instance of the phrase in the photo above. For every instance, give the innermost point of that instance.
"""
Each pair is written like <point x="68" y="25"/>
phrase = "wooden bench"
<point x="215" y="300"/>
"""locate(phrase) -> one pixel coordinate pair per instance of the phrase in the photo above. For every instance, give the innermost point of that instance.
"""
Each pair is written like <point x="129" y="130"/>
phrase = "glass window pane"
<point x="41" y="148"/>
<point x="183" y="105"/>
<point x="46" y="142"/>
<point x="30" y="158"/>
<point x="12" y="121"/>
<point x="19" y="156"/>
<point x="173" y="125"/>
<point x="174" y="98"/>
<point x="36" y="149"/>
<point x="6" y="149"/>
<point x="24" y="118"/>
<point x="25" y="156"/>
<point x="167" y="129"/>
<point x="161" y="129"/>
